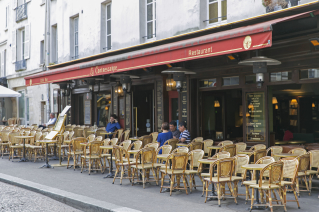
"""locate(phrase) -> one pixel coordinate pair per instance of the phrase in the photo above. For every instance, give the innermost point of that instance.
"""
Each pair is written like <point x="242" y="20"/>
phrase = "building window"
<point x="207" y="83"/>
<point x="42" y="61"/>
<point x="280" y="76"/>
<point x="309" y="73"/>
<point x="22" y="44"/>
<point x="7" y="16"/>
<point x="108" y="27"/>
<point x="231" y="80"/>
<point x="74" y="38"/>
<point x="151" y="19"/>
<point x="3" y="59"/>
<point x="217" y="11"/>
<point x="54" y="48"/>
<point x="55" y="100"/>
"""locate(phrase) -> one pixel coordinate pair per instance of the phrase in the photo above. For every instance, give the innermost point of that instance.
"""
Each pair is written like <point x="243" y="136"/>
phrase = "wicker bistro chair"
<point x="166" y="149"/>
<point x="118" y="133"/>
<point x="172" y="142"/>
<point x="145" y="161"/>
<point x="127" y="134"/>
<point x="290" y="171"/>
<point x="224" y="143"/>
<point x="93" y="157"/>
<point x="314" y="166"/>
<point x="35" y="148"/>
<point x="304" y="162"/>
<point x="198" y="139"/>
<point x="195" y="167"/>
<point x="231" y="148"/>
<point x="75" y="151"/>
<point x="257" y="154"/>
<point x="78" y="132"/>
<point x="105" y="155"/>
<point x="86" y="132"/>
<point x="241" y="146"/>
<point x="146" y="139"/>
<point x="154" y="145"/>
<point x="91" y="138"/>
<point x="137" y="145"/>
<point x="178" y="168"/>
<point x="99" y="132"/>
<point x="5" y="143"/>
<point x="275" y="150"/>
<point x="207" y="143"/>
<point x="221" y="155"/>
<point x="258" y="147"/>
<point x="120" y="154"/>
<point x="225" y="170"/>
<point x="195" y="145"/>
<point x="275" y="172"/>
<point x="154" y="136"/>
<point x="181" y="150"/>
<point x="299" y="151"/>
<point x="240" y="160"/>
<point x="15" y="144"/>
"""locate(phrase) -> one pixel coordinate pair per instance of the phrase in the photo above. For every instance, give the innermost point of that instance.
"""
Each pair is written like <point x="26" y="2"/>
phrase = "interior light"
<point x="276" y="107"/>
<point x="313" y="104"/>
<point x="216" y="104"/>
<point x="231" y="57"/>
<point x="274" y="100"/>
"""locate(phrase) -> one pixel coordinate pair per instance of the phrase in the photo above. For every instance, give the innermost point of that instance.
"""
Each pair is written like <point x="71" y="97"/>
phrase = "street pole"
<point x="47" y="51"/>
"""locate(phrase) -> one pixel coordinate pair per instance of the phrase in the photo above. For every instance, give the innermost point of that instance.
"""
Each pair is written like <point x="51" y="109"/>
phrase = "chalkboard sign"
<point x="159" y="103"/>
<point x="87" y="112"/>
<point x="128" y="112"/>
<point x="255" y="116"/>
<point x="184" y="101"/>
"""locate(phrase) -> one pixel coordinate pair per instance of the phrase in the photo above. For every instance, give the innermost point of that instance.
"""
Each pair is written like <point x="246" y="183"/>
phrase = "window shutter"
<point x="14" y="4"/>
<point x="2" y="63"/>
<point x="13" y="46"/>
<point x="27" y="30"/>
<point x="27" y="1"/>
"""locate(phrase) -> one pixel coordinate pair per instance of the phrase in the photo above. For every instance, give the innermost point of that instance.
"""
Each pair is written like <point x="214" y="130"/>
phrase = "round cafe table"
<point x="257" y="168"/>
<point x="111" y="174"/>
<point x="286" y="155"/>
<point x="47" y="142"/>
<point x="182" y="144"/>
<point x="23" y="159"/>
<point x="246" y="152"/>
<point x="209" y="161"/>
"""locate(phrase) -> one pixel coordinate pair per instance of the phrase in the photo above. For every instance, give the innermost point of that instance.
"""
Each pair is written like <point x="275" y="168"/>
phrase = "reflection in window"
<point x="230" y="81"/>
<point x="280" y="76"/>
<point x="207" y="83"/>
<point x="309" y="73"/>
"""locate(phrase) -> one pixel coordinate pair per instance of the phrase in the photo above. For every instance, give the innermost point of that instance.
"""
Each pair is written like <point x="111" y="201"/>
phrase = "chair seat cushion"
<point x="249" y="182"/>
<point x="214" y="179"/>
<point x="105" y="155"/>
<point x="170" y="171"/>
<point x="76" y="153"/>
<point x="265" y="186"/>
<point x="64" y="146"/>
<point x="236" y="178"/>
<point x="310" y="172"/>
<point x="188" y="172"/>
<point x="146" y="166"/>
<point x="125" y="164"/>
<point x="5" y="144"/>
<point x="284" y="182"/>
<point x="16" y="146"/>
<point x="301" y="174"/>
<point x="34" y="147"/>
<point x="91" y="157"/>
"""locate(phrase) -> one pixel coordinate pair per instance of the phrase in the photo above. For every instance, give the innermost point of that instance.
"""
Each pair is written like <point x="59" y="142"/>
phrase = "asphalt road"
<point x="17" y="199"/>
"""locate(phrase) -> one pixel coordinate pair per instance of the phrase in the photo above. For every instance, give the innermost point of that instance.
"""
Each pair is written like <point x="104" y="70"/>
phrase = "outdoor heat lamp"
<point x="126" y="81"/>
<point x="178" y="75"/>
<point x="259" y="67"/>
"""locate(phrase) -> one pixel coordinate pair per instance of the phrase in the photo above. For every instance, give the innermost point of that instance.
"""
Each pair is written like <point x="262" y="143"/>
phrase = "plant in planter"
<point x="274" y="5"/>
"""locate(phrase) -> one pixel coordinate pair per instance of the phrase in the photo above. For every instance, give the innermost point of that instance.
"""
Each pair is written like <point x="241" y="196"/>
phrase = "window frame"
<point x="22" y="43"/>
<point x="107" y="48"/>
<point x="220" y="21"/>
<point x="76" y="37"/>
<point x="153" y="20"/>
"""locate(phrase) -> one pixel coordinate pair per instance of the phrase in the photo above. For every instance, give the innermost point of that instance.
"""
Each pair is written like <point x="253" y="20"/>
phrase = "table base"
<point x="257" y="207"/>
<point x="23" y="160"/>
<point x="59" y="165"/>
<point x="47" y="166"/>
<point x="109" y="175"/>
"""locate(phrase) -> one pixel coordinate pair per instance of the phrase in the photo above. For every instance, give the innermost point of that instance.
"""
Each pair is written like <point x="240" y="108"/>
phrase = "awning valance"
<point x="246" y="38"/>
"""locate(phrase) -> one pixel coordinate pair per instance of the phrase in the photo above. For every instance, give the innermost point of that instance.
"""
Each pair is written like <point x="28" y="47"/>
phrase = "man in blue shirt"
<point x="185" y="136"/>
<point x="113" y="124"/>
<point x="164" y="136"/>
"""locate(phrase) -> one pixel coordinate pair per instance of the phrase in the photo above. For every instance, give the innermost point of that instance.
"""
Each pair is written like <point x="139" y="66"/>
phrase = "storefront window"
<point x="103" y="109"/>
<point x="280" y="76"/>
<point x="55" y="100"/>
<point x="309" y="73"/>
<point x="207" y="83"/>
<point x="231" y="80"/>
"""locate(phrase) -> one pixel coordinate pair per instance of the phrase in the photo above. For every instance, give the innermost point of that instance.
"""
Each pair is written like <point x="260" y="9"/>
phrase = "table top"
<point x="246" y="152"/>
<point x="24" y="136"/>
<point x="254" y="166"/>
<point x="162" y="156"/>
<point x="281" y="142"/>
<point x="181" y="144"/>
<point x="296" y="142"/>
<point x="285" y="155"/>
<point x="207" y="161"/>
<point x="107" y="133"/>
<point x="214" y="147"/>
<point x="106" y="147"/>
<point x="47" y="141"/>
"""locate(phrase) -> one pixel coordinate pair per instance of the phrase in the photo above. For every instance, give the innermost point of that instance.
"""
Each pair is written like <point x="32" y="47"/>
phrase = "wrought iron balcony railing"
<point x="21" y="65"/>
<point x="21" y="12"/>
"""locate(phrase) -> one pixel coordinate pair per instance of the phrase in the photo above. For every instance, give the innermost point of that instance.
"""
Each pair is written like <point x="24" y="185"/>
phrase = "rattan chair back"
<point x="120" y="153"/>
<point x="66" y="135"/>
<point x="33" y="132"/>
<point x="240" y="160"/>
<point x="290" y="169"/>
<point x="154" y="136"/>
<point x="37" y="137"/>
<point x="98" y="138"/>
<point x="127" y="134"/>
<point x="265" y="160"/>
<point x="259" y="154"/>
<point x="126" y="144"/>
<point x="198" y="139"/>
<point x="44" y="134"/>
<point x="106" y="142"/>
<point x="274" y="172"/>
<point x="5" y="136"/>
<point x="99" y="132"/>
<point x="14" y="140"/>
<point x="78" y="132"/>
<point x="147" y="155"/>
<point x="118" y="133"/>
<point x="88" y="131"/>
<point x="207" y="143"/>
<point x="299" y="151"/>
<point x="275" y="150"/>
<point x="137" y="145"/>
<point x="181" y="150"/>
<point x="222" y="155"/>
<point x="68" y="128"/>
<point x="94" y="148"/>
<point x="225" y="169"/>
<point x="146" y="139"/>
<point x="240" y="147"/>
<point x="172" y="142"/>
<point x="153" y="145"/>
<point x="76" y="144"/>
<point x="194" y="156"/>
<point x="304" y="162"/>
<point x="224" y="143"/>
<point x="314" y="159"/>
<point x="40" y="129"/>
<point x="91" y="138"/>
<point x="196" y="145"/>
<point x="231" y="148"/>
<point x="71" y="134"/>
<point x="179" y="161"/>
<point x="113" y="141"/>
<point x="166" y="149"/>
<point x="258" y="147"/>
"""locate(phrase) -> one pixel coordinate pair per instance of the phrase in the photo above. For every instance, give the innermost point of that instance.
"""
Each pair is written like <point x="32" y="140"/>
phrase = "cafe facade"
<point x="246" y="81"/>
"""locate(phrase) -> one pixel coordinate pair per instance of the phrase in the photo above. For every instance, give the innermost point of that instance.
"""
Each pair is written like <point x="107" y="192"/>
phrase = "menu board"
<point x="59" y="123"/>
<point x="87" y="112"/>
<point x="159" y="104"/>
<point x="184" y="101"/>
<point x="255" y="116"/>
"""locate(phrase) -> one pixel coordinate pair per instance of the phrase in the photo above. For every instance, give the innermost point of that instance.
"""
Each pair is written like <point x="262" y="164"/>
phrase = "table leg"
<point x="213" y="194"/>
<point x="111" y="174"/>
<point x="55" y="157"/>
<point x="46" y="165"/>
<point x="257" y="196"/>
<point x="23" y="159"/>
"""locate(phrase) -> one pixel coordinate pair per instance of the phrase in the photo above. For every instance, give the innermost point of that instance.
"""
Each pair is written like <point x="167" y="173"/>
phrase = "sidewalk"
<point x="66" y="183"/>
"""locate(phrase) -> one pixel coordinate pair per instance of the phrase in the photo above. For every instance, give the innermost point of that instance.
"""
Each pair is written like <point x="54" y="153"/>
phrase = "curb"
<point x="77" y="201"/>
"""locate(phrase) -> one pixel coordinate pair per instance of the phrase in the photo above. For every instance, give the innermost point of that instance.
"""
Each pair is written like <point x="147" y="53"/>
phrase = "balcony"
<point x="21" y="65"/>
<point x="21" y="12"/>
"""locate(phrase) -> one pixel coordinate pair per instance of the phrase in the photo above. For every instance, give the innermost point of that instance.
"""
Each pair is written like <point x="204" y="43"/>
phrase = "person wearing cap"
<point x="174" y="130"/>
<point x="185" y="136"/>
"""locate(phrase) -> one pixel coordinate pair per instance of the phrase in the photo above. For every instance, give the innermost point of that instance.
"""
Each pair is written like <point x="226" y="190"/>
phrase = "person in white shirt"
<point x="51" y="121"/>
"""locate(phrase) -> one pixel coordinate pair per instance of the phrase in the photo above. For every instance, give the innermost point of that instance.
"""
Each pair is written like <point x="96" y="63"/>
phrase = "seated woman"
<point x="164" y="136"/>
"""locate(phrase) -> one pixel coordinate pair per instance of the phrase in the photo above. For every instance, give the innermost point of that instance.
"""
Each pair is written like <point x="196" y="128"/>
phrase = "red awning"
<point x="246" y="38"/>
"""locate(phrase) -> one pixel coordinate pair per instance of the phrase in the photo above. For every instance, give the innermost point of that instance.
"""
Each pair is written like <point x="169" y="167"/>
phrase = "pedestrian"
<point x="52" y="120"/>
<point x="185" y="136"/>
<point x="112" y="125"/>
<point x="174" y="130"/>
<point x="164" y="136"/>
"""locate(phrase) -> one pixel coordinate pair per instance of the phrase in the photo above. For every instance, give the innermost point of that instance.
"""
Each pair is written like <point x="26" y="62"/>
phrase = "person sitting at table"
<point x="185" y="136"/>
<point x="174" y="130"/>
<point x="112" y="125"/>
<point x="52" y="120"/>
<point x="288" y="136"/>
<point x="164" y="136"/>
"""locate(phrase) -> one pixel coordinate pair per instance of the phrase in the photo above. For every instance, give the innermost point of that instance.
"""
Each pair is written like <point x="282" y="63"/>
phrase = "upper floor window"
<point x="74" y="38"/>
<point x="54" y="45"/>
<point x="21" y="9"/>
<point x="108" y="27"/>
<point x="217" y="11"/>
<point x="3" y="59"/>
<point x="7" y="16"/>
<point x="151" y="19"/>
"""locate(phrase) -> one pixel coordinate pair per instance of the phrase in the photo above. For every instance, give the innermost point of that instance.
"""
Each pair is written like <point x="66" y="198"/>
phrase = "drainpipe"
<point x="47" y="51"/>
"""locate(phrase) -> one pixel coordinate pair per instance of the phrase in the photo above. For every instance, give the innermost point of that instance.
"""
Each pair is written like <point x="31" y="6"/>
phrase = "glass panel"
<point x="103" y="109"/>
<point x="226" y="81"/>
<point x="27" y="100"/>
<point x="150" y="30"/>
<point x="230" y="81"/>
<point x="108" y="11"/>
<point x="108" y="27"/>
<point x="76" y="38"/>
<point x="149" y="1"/>
<point x="224" y="10"/>
<point x="21" y="104"/>
<point x="207" y="83"/>
<point x="213" y="12"/>
<point x="76" y="24"/>
<point x="309" y="74"/>
<point x="149" y="12"/>
<point x="76" y="52"/>
<point x="212" y="117"/>
<point x="280" y="76"/>
<point x="109" y="46"/>
<point x="55" y="101"/>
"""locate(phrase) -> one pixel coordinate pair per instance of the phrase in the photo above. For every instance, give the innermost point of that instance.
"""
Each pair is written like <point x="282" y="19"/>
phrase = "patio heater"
<point x="259" y="64"/>
<point x="178" y="75"/>
<point x="125" y="81"/>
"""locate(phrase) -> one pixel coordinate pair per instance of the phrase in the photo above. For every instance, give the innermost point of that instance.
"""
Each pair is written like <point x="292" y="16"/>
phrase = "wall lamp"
<point x="178" y="75"/>
<point x="125" y="81"/>
<point x="315" y="42"/>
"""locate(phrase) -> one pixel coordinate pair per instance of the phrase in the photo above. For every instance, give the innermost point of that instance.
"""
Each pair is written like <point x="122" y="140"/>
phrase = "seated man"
<point x="112" y="125"/>
<point x="51" y="121"/>
<point x="185" y="136"/>
<point x="172" y="127"/>
<point x="164" y="136"/>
